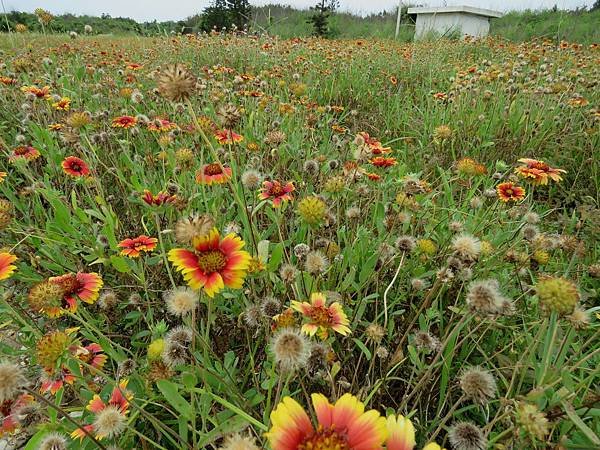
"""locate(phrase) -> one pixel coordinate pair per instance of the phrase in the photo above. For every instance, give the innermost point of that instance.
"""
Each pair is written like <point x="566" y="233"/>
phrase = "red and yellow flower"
<point x="2" y="176"/>
<point x="92" y="355"/>
<point x="75" y="167"/>
<point x="133" y="247"/>
<point x="383" y="161"/>
<point x="228" y="137"/>
<point x="119" y="400"/>
<point x="6" y="265"/>
<point x="343" y="425"/>
<point x="26" y="152"/>
<point x="63" y="104"/>
<point x="38" y="92"/>
<point x="124" y="122"/>
<point x="158" y="199"/>
<point x="401" y="433"/>
<point x="9" y="413"/>
<point x="162" y="125"/>
<point x="52" y="381"/>
<point x="83" y="286"/>
<point x="510" y="192"/>
<point x="276" y="192"/>
<point x="320" y="317"/>
<point x="538" y="172"/>
<point x="213" y="173"/>
<point x="214" y="263"/>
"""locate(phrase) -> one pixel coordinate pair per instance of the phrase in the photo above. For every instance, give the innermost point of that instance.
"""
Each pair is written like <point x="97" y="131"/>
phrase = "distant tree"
<point x="320" y="17"/>
<point x="215" y="16"/>
<point x="239" y="12"/>
<point x="595" y="6"/>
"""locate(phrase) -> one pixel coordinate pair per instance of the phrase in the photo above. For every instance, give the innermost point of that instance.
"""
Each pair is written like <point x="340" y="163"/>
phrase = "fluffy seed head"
<point x="426" y="342"/>
<point x="239" y="442"/>
<point x="301" y="250"/>
<point x="270" y="307"/>
<point x="175" y="83"/>
<point x="188" y="228"/>
<point x="579" y="318"/>
<point x="251" y="179"/>
<point x="12" y="380"/>
<point x="53" y="441"/>
<point x="406" y="243"/>
<point x="316" y="262"/>
<point x="110" y="422"/>
<point x="478" y="385"/>
<point x="290" y="349"/>
<point x="181" y="301"/>
<point x="288" y="273"/>
<point x="484" y="297"/>
<point x="466" y="246"/>
<point x="108" y="299"/>
<point x="467" y="436"/>
<point x="253" y="316"/>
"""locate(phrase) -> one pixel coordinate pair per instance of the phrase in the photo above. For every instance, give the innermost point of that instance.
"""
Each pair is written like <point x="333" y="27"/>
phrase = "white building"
<point x="448" y="20"/>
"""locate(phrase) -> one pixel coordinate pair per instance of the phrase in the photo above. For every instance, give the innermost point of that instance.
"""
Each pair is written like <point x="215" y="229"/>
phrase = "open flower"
<point x="383" y="161"/>
<point x="63" y="104"/>
<point x="163" y="125"/>
<point x="214" y="263"/>
<point x="344" y="425"/>
<point x="75" y="167"/>
<point x="6" y="266"/>
<point x="133" y="247"/>
<point x="52" y="381"/>
<point x="538" y="172"/>
<point x="82" y="286"/>
<point x="43" y="92"/>
<point x="277" y="192"/>
<point x="26" y="152"/>
<point x="401" y="433"/>
<point x="92" y="355"/>
<point x="228" y="137"/>
<point x="510" y="192"/>
<point x="9" y="410"/>
<point x="124" y="122"/>
<point x="321" y="317"/>
<point x="110" y="419"/>
<point x="213" y="173"/>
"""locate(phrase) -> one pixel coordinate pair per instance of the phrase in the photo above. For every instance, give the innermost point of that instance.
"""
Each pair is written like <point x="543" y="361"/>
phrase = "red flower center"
<point x="320" y="315"/>
<point x="21" y="150"/>
<point x="276" y="190"/>
<point x="75" y="167"/>
<point x="325" y="439"/>
<point x="213" y="169"/>
<point x="211" y="261"/>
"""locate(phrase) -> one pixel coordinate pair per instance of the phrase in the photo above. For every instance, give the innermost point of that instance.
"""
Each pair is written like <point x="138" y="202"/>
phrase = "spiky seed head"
<point x="557" y="294"/>
<point x="12" y="380"/>
<point x="467" y="436"/>
<point x="290" y="348"/>
<point x="54" y="441"/>
<point x="181" y="301"/>
<point x="109" y="422"/>
<point x="478" y="385"/>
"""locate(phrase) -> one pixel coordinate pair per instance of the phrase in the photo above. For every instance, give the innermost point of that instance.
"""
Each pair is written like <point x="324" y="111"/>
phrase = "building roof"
<point x="456" y="9"/>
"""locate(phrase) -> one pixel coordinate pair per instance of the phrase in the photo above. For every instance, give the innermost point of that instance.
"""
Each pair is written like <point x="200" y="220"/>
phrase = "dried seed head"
<point x="478" y="385"/>
<point x="467" y="436"/>
<point x="291" y="349"/>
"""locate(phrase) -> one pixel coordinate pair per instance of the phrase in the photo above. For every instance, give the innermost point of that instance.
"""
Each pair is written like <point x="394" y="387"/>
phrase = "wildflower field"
<point x="251" y="243"/>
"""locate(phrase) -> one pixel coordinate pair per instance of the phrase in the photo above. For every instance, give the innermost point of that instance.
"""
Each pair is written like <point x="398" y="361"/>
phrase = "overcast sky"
<point x="147" y="10"/>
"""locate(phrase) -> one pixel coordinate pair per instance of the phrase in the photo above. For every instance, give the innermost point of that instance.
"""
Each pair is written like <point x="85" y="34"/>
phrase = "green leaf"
<point x="363" y="348"/>
<point x="580" y="424"/>
<point x="172" y="395"/>
<point x="120" y="264"/>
